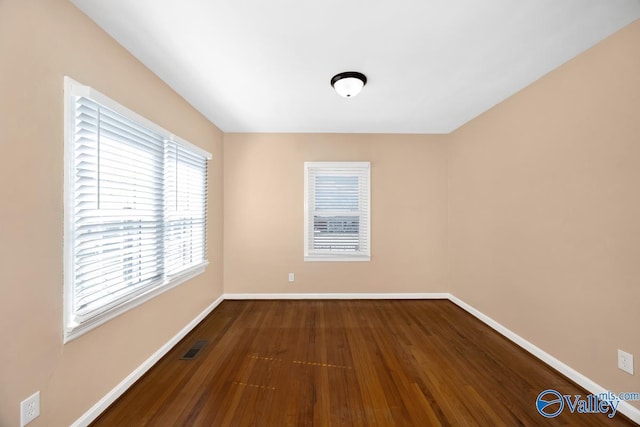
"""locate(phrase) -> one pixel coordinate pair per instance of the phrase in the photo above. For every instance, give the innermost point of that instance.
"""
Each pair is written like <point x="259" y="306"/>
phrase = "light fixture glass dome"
<point x="349" y="83"/>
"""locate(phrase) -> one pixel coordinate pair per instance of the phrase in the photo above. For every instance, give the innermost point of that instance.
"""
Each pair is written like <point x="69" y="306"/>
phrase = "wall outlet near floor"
<point x="625" y="361"/>
<point x="29" y="409"/>
<point x="292" y="277"/>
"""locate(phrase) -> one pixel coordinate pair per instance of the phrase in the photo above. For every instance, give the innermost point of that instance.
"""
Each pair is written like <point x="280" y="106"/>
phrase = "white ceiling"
<point x="432" y="65"/>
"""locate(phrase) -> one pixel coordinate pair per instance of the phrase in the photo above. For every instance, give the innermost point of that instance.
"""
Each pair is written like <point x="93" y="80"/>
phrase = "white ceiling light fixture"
<point x="349" y="83"/>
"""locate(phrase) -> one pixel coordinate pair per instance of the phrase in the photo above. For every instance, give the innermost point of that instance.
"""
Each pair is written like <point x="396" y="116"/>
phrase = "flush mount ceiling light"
<point x="349" y="83"/>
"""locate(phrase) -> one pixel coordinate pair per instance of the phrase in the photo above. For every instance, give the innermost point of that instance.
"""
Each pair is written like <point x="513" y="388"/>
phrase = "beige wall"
<point x="264" y="221"/>
<point x="40" y="42"/>
<point x="544" y="211"/>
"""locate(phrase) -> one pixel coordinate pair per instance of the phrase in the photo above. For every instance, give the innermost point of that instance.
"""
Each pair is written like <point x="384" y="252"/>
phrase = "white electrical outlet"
<point x="29" y="409"/>
<point x="292" y="277"/>
<point x="625" y="361"/>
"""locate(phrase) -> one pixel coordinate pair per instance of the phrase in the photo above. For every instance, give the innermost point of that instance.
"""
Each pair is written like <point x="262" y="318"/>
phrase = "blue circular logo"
<point x="547" y="401"/>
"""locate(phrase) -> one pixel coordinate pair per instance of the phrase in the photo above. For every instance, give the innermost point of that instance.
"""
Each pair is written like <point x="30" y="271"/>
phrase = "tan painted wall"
<point x="264" y="221"/>
<point x="40" y="42"/>
<point x="544" y="211"/>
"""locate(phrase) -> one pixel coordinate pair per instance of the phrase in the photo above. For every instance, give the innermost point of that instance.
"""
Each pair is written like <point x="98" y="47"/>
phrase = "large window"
<point x="337" y="218"/>
<point x="135" y="209"/>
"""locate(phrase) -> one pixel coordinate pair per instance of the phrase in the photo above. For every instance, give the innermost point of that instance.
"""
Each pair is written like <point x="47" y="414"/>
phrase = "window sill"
<point x="332" y="258"/>
<point x="74" y="328"/>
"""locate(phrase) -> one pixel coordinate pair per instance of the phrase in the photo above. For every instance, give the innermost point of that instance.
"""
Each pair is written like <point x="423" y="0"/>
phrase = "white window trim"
<point x="328" y="257"/>
<point x="71" y="327"/>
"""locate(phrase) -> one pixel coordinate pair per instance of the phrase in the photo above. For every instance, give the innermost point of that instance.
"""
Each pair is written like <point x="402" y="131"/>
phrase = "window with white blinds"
<point x="337" y="212"/>
<point x="135" y="209"/>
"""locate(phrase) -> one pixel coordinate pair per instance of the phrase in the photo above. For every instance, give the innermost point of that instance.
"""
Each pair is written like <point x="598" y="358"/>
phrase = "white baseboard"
<point x="625" y="408"/>
<point x="310" y="296"/>
<point x="118" y="390"/>
<point x="591" y="386"/>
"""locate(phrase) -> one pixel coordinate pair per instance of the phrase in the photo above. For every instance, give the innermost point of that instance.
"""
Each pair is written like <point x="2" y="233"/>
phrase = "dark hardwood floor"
<point x="345" y="363"/>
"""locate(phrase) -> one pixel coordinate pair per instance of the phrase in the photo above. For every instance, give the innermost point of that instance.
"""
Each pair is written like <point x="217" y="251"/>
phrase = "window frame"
<point x="339" y="256"/>
<point x="73" y="323"/>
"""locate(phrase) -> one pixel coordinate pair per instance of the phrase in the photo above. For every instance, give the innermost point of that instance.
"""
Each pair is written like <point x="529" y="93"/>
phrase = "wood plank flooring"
<point x="345" y="363"/>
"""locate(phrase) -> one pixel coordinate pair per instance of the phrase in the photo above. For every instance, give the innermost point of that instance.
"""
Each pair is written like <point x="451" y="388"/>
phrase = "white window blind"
<point x="185" y="208"/>
<point x="135" y="210"/>
<point x="337" y="214"/>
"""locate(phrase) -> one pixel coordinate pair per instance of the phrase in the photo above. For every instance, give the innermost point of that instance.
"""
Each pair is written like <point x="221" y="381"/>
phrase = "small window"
<point x="337" y="214"/>
<point x="135" y="209"/>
